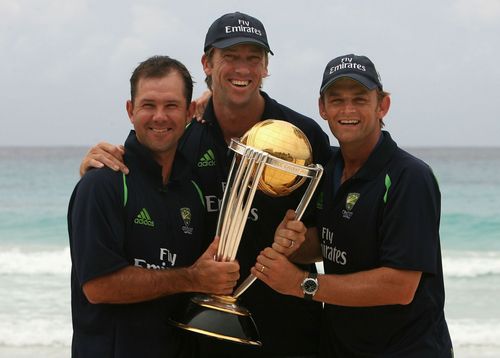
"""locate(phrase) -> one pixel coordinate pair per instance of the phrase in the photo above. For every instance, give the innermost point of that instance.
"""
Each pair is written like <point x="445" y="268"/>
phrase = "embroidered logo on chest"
<point x="350" y="201"/>
<point x="143" y="218"/>
<point x="186" y="218"/>
<point x="207" y="159"/>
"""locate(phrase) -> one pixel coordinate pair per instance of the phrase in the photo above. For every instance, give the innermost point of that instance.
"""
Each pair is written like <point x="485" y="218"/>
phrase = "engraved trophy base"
<point x="219" y="317"/>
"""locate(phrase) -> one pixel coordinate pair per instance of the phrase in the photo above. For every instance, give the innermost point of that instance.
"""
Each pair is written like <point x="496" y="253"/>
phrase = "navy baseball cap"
<point x="359" y="68"/>
<point x="236" y="28"/>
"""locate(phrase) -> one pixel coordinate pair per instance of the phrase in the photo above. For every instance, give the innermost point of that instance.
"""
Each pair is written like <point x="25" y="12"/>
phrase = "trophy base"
<point x="219" y="317"/>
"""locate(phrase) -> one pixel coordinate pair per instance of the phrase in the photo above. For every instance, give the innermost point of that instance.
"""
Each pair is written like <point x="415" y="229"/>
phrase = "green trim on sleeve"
<point x="387" y="186"/>
<point x="125" y="190"/>
<point x="200" y="193"/>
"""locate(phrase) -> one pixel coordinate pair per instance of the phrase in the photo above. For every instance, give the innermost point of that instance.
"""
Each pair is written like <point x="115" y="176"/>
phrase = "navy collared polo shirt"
<point x="288" y="325"/>
<point x="116" y="221"/>
<point x="387" y="214"/>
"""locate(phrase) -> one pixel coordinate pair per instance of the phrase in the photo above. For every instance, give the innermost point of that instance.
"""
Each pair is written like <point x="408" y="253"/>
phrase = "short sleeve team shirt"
<point x="116" y="221"/>
<point x="387" y="214"/>
<point x="204" y="145"/>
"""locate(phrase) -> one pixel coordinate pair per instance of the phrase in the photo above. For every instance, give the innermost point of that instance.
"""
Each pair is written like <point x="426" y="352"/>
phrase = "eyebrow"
<point x="149" y="100"/>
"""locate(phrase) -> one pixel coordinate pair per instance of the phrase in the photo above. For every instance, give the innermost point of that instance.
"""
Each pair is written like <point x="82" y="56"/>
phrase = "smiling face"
<point x="236" y="73"/>
<point x="353" y="112"/>
<point x="159" y="113"/>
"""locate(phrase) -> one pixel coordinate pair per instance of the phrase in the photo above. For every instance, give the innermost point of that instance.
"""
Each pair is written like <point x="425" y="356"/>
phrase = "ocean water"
<point x="36" y="183"/>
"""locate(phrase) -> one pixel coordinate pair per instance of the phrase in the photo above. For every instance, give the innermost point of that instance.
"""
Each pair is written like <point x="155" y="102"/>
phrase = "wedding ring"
<point x="262" y="268"/>
<point x="291" y="244"/>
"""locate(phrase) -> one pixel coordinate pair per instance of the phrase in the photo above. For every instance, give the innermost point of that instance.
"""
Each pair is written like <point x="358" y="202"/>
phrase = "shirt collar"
<point x="380" y="156"/>
<point x="269" y="110"/>
<point x="378" y="159"/>
<point x="180" y="170"/>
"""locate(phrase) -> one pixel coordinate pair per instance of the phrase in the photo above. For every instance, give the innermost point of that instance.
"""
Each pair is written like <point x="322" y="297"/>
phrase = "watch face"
<point x="310" y="285"/>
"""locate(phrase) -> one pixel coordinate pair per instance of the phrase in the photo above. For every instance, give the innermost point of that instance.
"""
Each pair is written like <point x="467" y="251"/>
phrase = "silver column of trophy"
<point x="275" y="157"/>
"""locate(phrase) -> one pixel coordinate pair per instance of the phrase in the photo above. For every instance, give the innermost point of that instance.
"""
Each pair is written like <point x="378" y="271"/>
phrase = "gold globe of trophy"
<point x="275" y="157"/>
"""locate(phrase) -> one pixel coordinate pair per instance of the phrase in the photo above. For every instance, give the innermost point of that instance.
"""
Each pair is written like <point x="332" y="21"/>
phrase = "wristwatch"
<point x="310" y="285"/>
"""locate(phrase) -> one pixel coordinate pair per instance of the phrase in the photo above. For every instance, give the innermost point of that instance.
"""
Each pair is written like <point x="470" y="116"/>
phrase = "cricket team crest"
<point x="350" y="201"/>
<point x="186" y="217"/>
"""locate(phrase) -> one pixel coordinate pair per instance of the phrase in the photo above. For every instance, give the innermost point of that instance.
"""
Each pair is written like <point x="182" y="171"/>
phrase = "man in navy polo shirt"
<point x="377" y="232"/>
<point x="235" y="61"/>
<point x="136" y="240"/>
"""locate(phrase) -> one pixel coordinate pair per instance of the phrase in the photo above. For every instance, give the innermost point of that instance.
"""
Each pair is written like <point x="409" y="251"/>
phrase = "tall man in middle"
<point x="235" y="63"/>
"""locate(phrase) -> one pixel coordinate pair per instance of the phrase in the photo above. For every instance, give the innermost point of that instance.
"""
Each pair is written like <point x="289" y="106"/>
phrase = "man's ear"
<point x="321" y="107"/>
<point x="384" y="106"/>
<point x="207" y="66"/>
<point x="130" y="110"/>
<point x="190" y="111"/>
<point x="266" y="72"/>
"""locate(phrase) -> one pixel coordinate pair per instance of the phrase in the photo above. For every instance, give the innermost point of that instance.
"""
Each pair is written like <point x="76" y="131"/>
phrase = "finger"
<point x="281" y="243"/>
<point x="199" y="118"/>
<point x="211" y="250"/>
<point x="286" y="239"/>
<point x="106" y="159"/>
<point x="291" y="214"/>
<point x="108" y="148"/>
<point x="270" y="254"/>
<point x="295" y="226"/>
<point x="263" y="261"/>
<point x="258" y="274"/>
<point x="89" y="163"/>
<point x="279" y="248"/>
<point x="224" y="291"/>
<point x="231" y="268"/>
<point x="95" y="164"/>
<point x="111" y="155"/>
<point x="233" y="276"/>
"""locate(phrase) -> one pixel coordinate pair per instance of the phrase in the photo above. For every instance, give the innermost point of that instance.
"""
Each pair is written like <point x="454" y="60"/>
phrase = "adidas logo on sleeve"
<point x="207" y="159"/>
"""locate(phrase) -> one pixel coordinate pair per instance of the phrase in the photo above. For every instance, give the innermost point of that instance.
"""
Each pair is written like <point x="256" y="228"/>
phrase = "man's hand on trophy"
<point x="104" y="154"/>
<point x="210" y="276"/>
<point x="289" y="235"/>
<point x="277" y="272"/>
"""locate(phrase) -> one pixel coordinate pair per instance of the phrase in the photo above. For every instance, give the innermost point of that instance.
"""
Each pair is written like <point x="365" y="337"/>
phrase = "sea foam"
<point x="48" y="332"/>
<point x="471" y="264"/>
<point x="473" y="332"/>
<point x="17" y="261"/>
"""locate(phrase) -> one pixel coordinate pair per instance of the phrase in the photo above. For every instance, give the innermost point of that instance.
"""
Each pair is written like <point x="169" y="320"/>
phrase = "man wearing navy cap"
<point x="235" y="62"/>
<point x="377" y="232"/>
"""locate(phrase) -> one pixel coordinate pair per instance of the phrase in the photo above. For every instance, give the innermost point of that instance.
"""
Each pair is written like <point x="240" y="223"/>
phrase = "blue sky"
<point x="65" y="64"/>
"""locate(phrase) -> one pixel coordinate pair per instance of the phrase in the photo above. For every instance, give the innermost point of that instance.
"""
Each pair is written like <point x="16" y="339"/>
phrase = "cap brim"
<point x="361" y="79"/>
<point x="240" y="40"/>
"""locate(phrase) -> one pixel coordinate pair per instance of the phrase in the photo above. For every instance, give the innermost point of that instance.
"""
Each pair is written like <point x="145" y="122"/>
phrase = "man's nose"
<point x="349" y="107"/>
<point x="159" y="114"/>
